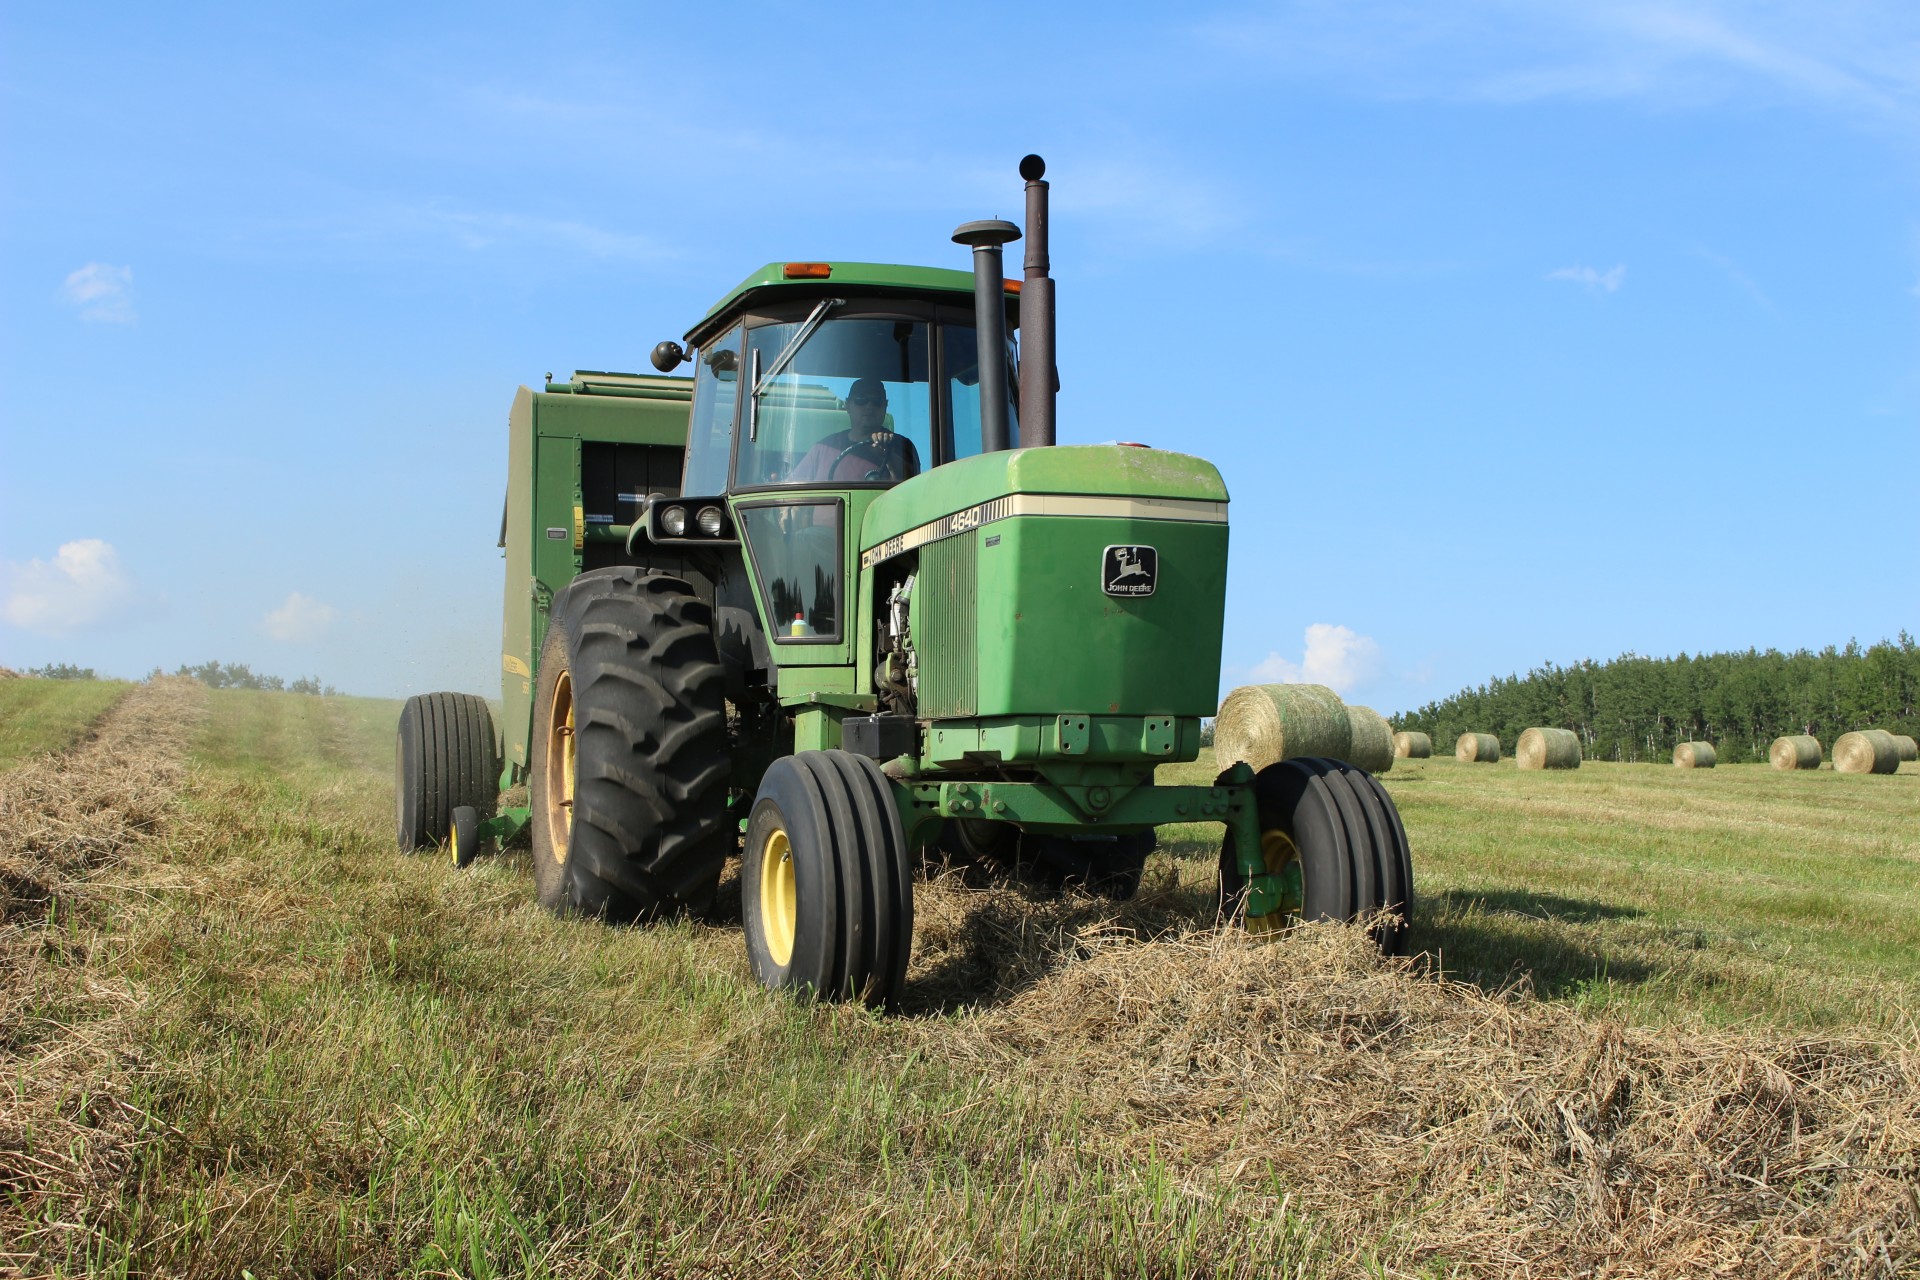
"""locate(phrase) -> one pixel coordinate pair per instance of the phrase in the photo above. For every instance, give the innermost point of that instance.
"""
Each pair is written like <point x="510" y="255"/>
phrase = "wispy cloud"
<point x="1858" y="58"/>
<point x="1740" y="279"/>
<point x="1335" y="656"/>
<point x="299" y="620"/>
<point x="1608" y="281"/>
<point x="101" y="292"/>
<point x="83" y="583"/>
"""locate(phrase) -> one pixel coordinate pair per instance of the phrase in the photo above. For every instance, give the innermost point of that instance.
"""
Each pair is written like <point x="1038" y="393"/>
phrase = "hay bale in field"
<point x="1695" y="755"/>
<point x="1372" y="736"/>
<point x="1908" y="748"/>
<point x="1262" y="723"/>
<point x="1412" y="746"/>
<point x="1866" y="751"/>
<point x="1797" y="751"/>
<point x="1541" y="748"/>
<point x="1477" y="748"/>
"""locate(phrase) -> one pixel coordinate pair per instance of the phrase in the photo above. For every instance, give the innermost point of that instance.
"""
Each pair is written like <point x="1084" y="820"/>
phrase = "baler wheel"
<point x="628" y="777"/>
<point x="826" y="882"/>
<point x="463" y="843"/>
<point x="444" y="757"/>
<point x="1336" y="828"/>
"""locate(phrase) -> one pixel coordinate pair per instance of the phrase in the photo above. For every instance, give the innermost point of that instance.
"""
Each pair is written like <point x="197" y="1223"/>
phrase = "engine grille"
<point x="945" y="627"/>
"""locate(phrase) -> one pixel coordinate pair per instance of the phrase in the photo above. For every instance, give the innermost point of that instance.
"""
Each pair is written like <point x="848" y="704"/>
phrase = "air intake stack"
<point x="990" y="323"/>
<point x="1038" y="373"/>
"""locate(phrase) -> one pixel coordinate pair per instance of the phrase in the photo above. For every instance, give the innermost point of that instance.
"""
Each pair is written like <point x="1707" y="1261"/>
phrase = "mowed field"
<point x="1662" y="1023"/>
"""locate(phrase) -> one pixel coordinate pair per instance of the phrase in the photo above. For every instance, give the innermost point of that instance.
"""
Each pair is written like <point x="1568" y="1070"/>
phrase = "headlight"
<point x="709" y="521"/>
<point x="674" y="521"/>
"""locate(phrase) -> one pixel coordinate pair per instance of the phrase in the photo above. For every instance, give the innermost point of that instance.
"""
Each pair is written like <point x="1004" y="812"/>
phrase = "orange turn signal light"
<point x="807" y="271"/>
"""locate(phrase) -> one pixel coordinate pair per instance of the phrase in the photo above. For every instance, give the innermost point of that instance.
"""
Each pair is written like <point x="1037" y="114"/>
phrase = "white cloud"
<point x="300" y="620"/>
<point x="84" y="583"/>
<point x="1335" y="656"/>
<point x="101" y="292"/>
<point x="1608" y="281"/>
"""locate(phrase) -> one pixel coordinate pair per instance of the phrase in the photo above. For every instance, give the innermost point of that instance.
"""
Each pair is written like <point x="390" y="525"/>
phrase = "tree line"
<point x="1639" y="709"/>
<point x="215" y="675"/>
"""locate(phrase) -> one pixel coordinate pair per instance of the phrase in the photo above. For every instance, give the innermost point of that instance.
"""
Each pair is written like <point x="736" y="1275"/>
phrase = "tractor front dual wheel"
<point x="628" y="781"/>
<point x="826" y="883"/>
<point x="1332" y="830"/>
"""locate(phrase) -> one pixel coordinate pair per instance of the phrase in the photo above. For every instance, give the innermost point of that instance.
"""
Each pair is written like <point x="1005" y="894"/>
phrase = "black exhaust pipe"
<point x="990" y="323"/>
<point x="1039" y="376"/>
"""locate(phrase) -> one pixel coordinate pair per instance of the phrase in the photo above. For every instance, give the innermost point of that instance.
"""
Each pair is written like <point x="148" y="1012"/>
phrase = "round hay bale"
<point x="1548" y="749"/>
<point x="1866" y="751"/>
<point x="1263" y="723"/>
<point x="1695" y="755"/>
<point x="1412" y="746"/>
<point x="1797" y="751"/>
<point x="1908" y="748"/>
<point x="1477" y="748"/>
<point x="1372" y="736"/>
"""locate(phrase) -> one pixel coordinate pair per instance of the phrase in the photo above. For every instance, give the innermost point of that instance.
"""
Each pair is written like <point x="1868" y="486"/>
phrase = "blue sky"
<point x="1520" y="331"/>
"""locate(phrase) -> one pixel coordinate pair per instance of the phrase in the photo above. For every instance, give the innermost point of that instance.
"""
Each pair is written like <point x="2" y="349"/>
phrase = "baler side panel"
<point x="517" y="623"/>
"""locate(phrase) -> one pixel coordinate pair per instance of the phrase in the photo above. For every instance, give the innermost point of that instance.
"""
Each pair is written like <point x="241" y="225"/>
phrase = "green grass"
<point x="356" y="1062"/>
<point x="38" y="716"/>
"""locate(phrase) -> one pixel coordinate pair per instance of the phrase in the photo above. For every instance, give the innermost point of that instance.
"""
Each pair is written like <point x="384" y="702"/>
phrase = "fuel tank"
<point x="1072" y="579"/>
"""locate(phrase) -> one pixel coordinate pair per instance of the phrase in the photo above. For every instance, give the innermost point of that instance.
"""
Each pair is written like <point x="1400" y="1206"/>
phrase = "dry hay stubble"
<point x="1425" y="1119"/>
<point x="67" y="1132"/>
<point x="1866" y="751"/>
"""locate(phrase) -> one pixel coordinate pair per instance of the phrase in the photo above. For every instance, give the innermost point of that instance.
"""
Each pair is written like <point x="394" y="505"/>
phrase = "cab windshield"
<point x="862" y="400"/>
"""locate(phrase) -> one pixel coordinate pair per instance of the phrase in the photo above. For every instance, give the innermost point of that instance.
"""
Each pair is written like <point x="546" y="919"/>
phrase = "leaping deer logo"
<point x="1129" y="571"/>
<point x="1128" y="558"/>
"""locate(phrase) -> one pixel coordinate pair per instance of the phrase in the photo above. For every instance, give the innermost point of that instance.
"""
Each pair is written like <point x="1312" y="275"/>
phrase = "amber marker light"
<point x="1013" y="286"/>
<point x="807" y="271"/>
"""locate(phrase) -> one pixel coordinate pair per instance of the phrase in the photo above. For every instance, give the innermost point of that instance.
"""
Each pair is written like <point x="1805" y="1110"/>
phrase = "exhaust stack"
<point x="1039" y="378"/>
<point x="990" y="324"/>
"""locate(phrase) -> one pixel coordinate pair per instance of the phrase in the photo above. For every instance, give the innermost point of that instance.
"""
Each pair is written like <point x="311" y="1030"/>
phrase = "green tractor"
<point x="837" y="598"/>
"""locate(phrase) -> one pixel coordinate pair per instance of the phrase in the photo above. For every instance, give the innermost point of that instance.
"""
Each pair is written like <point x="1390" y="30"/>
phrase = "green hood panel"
<point x="1107" y="470"/>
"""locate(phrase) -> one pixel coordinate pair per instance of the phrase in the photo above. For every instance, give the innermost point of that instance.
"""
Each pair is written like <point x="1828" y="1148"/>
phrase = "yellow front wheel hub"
<point x="1277" y="850"/>
<point x="779" y="899"/>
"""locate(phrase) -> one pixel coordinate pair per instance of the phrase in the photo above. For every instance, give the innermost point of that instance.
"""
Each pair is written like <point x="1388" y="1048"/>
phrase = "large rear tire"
<point x="1338" y="827"/>
<point x="826" y="883"/>
<point x="629" y="770"/>
<point x="444" y="758"/>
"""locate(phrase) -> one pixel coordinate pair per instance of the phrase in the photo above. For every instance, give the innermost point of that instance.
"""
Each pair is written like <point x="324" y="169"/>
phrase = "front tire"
<point x="1335" y="828"/>
<point x="628" y="780"/>
<point x="826" y="883"/>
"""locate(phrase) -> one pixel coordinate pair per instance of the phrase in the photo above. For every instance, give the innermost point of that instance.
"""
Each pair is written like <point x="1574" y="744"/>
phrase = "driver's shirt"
<point x="892" y="454"/>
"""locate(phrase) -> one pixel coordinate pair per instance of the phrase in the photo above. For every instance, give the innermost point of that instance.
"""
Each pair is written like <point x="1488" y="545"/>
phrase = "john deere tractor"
<point x="837" y="598"/>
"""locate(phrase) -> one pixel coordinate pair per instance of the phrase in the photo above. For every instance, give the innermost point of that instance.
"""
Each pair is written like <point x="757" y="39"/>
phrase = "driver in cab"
<point x="867" y="450"/>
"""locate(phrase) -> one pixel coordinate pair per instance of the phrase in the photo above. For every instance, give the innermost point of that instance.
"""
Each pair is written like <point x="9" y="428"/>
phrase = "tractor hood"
<point x="958" y="489"/>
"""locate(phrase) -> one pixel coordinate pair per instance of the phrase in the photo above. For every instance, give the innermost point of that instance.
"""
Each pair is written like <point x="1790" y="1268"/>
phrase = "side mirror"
<point x="669" y="356"/>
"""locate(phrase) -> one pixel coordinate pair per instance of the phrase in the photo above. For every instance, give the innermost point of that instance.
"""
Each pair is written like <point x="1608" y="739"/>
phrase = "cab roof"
<point x="773" y="281"/>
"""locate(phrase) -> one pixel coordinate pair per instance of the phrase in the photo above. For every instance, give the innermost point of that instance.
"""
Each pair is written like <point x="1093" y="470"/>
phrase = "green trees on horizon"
<point x="1639" y="709"/>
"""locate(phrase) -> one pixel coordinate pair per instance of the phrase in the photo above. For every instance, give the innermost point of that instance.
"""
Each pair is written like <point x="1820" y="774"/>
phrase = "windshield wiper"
<point x="788" y="352"/>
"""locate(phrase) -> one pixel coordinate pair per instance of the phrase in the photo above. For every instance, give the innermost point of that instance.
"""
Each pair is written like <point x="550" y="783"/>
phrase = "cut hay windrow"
<point x="1262" y="723"/>
<point x="1866" y="751"/>
<point x="1412" y="746"/>
<point x="1798" y="751"/>
<point x="67" y="1136"/>
<point x="1477" y="748"/>
<point x="1695" y="755"/>
<point x="1523" y="1138"/>
<point x="1543" y="748"/>
<point x="1909" y="749"/>
<point x="1372" y="746"/>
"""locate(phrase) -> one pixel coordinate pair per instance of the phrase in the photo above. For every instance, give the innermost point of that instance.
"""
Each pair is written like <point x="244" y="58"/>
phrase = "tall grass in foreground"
<point x="38" y="716"/>
<point x="300" y="1053"/>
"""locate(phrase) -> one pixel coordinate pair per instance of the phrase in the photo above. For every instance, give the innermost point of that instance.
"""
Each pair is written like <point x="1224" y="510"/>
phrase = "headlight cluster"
<point x="710" y="520"/>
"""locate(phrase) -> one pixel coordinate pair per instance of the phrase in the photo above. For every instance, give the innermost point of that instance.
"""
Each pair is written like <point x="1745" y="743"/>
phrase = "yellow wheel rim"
<point x="560" y="768"/>
<point x="1276" y="850"/>
<point x="453" y="843"/>
<point x="779" y="901"/>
